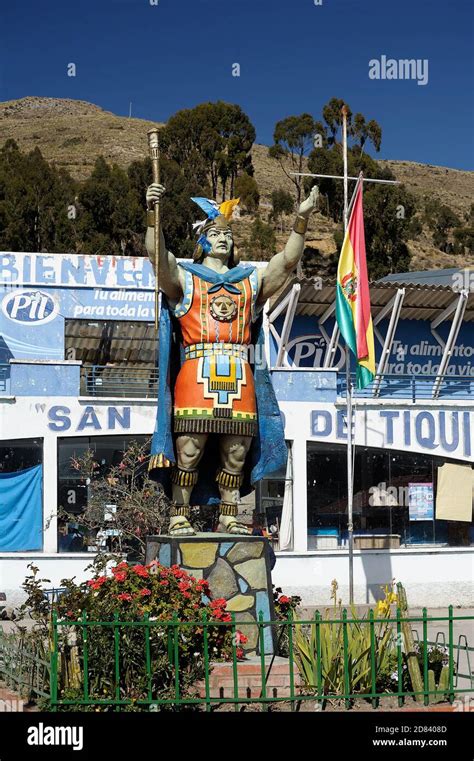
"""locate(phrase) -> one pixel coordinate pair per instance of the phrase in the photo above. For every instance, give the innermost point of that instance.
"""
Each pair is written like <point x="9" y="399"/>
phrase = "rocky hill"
<point x="73" y="133"/>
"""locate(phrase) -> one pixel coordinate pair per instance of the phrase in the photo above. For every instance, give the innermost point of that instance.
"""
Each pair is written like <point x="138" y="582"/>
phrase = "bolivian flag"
<point x="352" y="295"/>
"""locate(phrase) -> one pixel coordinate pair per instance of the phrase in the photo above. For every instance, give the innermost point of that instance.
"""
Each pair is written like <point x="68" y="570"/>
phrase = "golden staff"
<point x="154" y="147"/>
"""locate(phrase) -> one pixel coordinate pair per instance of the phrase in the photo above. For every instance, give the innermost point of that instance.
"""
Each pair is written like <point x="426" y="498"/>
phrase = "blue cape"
<point x="267" y="453"/>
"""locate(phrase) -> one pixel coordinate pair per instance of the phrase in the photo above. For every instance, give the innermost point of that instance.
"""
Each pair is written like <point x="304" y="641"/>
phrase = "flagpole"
<point x="350" y="495"/>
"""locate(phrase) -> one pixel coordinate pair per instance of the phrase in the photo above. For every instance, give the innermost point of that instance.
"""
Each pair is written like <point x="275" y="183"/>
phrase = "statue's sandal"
<point x="181" y="527"/>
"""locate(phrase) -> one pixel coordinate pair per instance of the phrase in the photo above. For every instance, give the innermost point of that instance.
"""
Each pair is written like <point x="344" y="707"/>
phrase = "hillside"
<point x="72" y="134"/>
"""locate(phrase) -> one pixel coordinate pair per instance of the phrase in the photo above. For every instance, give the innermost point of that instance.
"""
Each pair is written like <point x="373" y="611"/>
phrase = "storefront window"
<point x="274" y="505"/>
<point x="20" y="454"/>
<point x="21" y="495"/>
<point x="394" y="498"/>
<point x="72" y="488"/>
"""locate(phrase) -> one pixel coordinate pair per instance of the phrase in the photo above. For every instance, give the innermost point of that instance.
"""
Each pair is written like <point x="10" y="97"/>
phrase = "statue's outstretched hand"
<point x="310" y="203"/>
<point x="154" y="193"/>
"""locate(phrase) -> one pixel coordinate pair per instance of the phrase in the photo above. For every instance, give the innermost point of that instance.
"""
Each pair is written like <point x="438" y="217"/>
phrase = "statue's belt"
<point x="193" y="351"/>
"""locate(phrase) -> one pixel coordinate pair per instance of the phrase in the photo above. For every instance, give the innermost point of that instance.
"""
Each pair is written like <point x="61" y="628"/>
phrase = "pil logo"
<point x="30" y="307"/>
<point x="307" y="351"/>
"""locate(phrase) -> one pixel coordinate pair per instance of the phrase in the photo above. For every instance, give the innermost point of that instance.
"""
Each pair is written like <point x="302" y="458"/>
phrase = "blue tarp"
<point x="21" y="510"/>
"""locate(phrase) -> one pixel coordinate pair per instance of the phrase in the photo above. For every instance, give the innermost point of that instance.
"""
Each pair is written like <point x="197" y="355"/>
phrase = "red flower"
<point x="140" y="570"/>
<point x="220" y="615"/>
<point x="145" y="592"/>
<point x="239" y="652"/>
<point x="121" y="568"/>
<point x="164" y="583"/>
<point x="283" y="599"/>
<point x="240" y="639"/>
<point x="97" y="583"/>
<point x="219" y="603"/>
<point x="124" y="596"/>
<point x="121" y="576"/>
<point x="183" y="586"/>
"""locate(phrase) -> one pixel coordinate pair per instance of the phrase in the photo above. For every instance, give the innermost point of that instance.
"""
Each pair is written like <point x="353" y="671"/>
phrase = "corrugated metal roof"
<point x="101" y="342"/>
<point x="422" y="302"/>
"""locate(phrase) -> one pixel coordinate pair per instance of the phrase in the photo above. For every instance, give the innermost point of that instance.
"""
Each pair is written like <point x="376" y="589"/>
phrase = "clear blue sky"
<point x="293" y="56"/>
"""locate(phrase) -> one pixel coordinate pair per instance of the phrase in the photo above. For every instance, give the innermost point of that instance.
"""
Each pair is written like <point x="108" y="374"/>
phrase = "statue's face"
<point x="221" y="242"/>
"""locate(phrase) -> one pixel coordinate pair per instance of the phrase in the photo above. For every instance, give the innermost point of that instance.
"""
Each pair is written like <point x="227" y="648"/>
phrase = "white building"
<point x="77" y="372"/>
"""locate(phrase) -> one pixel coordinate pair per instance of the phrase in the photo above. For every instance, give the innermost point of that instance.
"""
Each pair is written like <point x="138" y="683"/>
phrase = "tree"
<point x="293" y="138"/>
<point x="390" y="219"/>
<point x="262" y="243"/>
<point x="441" y="220"/>
<point x="282" y="203"/>
<point x="246" y="189"/>
<point x="359" y="131"/>
<point x="464" y="240"/>
<point x="34" y="203"/>
<point x="363" y="131"/>
<point x="211" y="141"/>
<point x="332" y="115"/>
<point x="389" y="211"/>
<point x="388" y="215"/>
<point x="111" y="216"/>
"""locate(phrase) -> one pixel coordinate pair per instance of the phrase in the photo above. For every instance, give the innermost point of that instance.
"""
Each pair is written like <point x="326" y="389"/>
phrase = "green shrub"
<point x="331" y="648"/>
<point x="135" y="593"/>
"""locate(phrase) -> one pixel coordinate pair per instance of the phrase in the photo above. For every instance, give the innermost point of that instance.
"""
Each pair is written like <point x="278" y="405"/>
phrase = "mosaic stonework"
<point x="236" y="567"/>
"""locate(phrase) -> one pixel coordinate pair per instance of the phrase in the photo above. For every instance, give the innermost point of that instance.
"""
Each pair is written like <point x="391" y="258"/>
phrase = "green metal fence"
<point x="24" y="665"/>
<point x="290" y="630"/>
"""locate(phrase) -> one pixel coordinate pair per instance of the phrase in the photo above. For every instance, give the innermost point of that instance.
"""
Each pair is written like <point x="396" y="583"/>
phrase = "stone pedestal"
<point x="237" y="568"/>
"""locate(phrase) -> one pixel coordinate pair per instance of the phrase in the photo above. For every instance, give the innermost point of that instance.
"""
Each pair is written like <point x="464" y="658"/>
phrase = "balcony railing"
<point x="110" y="380"/>
<point x="411" y="387"/>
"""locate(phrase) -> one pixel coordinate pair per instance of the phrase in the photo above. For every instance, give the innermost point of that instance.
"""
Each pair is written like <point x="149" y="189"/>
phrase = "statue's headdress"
<point x="218" y="215"/>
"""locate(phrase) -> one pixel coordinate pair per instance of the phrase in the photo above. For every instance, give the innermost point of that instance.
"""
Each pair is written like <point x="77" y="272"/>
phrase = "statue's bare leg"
<point x="189" y="450"/>
<point x="233" y="450"/>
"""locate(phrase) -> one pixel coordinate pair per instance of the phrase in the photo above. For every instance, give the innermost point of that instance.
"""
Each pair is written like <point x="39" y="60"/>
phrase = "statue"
<point x="218" y="427"/>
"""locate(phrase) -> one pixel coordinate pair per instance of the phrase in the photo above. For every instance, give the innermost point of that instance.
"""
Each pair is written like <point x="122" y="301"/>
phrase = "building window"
<point x="21" y="495"/>
<point x="20" y="454"/>
<point x="274" y="501"/>
<point x="73" y="490"/>
<point x="385" y="509"/>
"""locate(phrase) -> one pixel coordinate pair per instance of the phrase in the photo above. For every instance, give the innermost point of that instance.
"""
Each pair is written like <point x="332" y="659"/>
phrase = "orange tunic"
<point x="214" y="391"/>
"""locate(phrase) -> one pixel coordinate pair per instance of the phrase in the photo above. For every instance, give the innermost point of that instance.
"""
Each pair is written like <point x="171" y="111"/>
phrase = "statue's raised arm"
<point x="273" y="276"/>
<point x="170" y="281"/>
